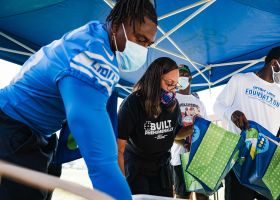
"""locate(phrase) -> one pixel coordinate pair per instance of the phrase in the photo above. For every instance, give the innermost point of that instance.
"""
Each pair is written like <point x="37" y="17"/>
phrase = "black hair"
<point x="183" y="67"/>
<point x="274" y="53"/>
<point x="195" y="94"/>
<point x="149" y="86"/>
<point x="133" y="10"/>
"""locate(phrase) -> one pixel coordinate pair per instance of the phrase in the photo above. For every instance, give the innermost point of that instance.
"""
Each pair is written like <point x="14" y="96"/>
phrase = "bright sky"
<point x="209" y="96"/>
<point x="9" y="70"/>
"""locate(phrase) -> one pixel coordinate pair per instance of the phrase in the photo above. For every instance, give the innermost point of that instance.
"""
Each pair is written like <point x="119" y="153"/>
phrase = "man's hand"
<point x="239" y="119"/>
<point x="184" y="132"/>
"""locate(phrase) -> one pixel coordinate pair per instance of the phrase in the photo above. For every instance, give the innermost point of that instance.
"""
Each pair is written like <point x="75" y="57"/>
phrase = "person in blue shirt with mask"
<point x="72" y="78"/>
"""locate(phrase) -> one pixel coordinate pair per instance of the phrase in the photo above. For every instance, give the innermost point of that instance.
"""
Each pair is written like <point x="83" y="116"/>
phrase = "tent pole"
<point x="124" y="88"/>
<point x="15" y="51"/>
<point x="183" y="9"/>
<point x="16" y="42"/>
<point x="239" y="70"/>
<point x="200" y="84"/>
<point x="208" y="67"/>
<point x="187" y="58"/>
<point x="234" y="63"/>
<point x="177" y="55"/>
<point x="110" y="3"/>
<point x="198" y="11"/>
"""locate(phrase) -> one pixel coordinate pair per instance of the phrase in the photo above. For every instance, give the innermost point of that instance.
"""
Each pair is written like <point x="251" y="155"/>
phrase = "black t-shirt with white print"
<point x="148" y="137"/>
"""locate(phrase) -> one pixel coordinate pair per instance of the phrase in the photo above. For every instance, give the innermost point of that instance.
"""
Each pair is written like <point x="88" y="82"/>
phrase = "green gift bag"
<point x="272" y="176"/>
<point x="192" y="185"/>
<point x="212" y="154"/>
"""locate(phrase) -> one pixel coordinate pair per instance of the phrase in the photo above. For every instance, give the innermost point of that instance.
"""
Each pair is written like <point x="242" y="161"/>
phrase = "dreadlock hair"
<point x="132" y="10"/>
<point x="274" y="53"/>
<point x="149" y="86"/>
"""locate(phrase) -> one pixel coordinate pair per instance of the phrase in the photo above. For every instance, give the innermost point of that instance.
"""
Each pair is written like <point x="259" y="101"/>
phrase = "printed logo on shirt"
<point x="263" y="95"/>
<point x="95" y="65"/>
<point x="188" y="111"/>
<point x="158" y="128"/>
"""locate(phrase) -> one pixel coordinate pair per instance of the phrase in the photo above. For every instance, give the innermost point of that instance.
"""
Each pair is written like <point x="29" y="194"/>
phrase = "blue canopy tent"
<point x="216" y="38"/>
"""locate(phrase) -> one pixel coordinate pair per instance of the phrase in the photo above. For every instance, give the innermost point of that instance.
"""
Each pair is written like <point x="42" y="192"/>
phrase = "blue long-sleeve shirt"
<point x="33" y="97"/>
<point x="72" y="77"/>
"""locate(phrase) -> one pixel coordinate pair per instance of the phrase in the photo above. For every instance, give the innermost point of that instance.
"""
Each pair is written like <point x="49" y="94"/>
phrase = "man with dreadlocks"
<point x="72" y="78"/>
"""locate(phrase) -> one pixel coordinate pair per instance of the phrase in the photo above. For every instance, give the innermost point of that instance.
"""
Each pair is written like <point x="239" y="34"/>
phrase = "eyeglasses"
<point x="170" y="85"/>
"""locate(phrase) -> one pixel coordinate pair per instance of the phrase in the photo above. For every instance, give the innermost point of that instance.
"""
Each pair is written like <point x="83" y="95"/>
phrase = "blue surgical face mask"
<point x="183" y="83"/>
<point x="276" y="75"/>
<point x="133" y="57"/>
<point x="167" y="97"/>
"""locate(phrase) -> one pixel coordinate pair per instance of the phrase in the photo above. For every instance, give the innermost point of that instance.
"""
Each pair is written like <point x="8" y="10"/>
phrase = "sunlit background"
<point x="76" y="171"/>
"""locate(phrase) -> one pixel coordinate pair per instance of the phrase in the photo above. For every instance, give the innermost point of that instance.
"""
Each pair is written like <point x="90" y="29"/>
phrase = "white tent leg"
<point x="177" y="55"/>
<point x="186" y="57"/>
<point x="183" y="9"/>
<point x="198" y="11"/>
<point x="16" y="42"/>
<point x="15" y="51"/>
<point x="208" y="67"/>
<point x="240" y="70"/>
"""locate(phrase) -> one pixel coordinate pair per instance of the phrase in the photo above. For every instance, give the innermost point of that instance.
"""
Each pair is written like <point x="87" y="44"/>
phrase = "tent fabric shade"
<point x="203" y="34"/>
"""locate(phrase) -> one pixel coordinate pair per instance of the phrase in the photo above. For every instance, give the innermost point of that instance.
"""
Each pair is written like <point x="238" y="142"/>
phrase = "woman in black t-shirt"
<point x="149" y="121"/>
